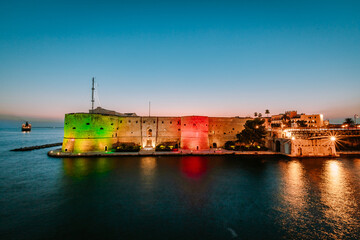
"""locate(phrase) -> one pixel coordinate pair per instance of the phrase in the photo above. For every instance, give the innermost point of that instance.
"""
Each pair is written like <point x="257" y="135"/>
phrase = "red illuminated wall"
<point x="195" y="132"/>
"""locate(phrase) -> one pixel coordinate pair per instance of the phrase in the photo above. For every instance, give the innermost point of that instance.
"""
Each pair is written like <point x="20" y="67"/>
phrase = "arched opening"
<point x="277" y="143"/>
<point x="214" y="145"/>
<point x="197" y="147"/>
<point x="106" y="148"/>
<point x="300" y="151"/>
<point x="65" y="149"/>
<point x="176" y="145"/>
<point x="149" y="133"/>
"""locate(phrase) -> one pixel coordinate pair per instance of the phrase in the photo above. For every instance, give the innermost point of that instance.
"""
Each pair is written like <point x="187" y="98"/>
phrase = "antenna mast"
<point x="92" y="95"/>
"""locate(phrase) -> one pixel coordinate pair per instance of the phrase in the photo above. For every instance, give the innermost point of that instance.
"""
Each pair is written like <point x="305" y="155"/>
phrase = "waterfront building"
<point x="105" y="130"/>
<point x="293" y="118"/>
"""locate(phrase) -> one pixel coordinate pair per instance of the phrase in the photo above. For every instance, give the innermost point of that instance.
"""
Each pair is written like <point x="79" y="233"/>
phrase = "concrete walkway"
<point x="59" y="154"/>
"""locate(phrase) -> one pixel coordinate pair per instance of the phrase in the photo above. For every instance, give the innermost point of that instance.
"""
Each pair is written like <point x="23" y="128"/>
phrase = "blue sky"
<point x="215" y="58"/>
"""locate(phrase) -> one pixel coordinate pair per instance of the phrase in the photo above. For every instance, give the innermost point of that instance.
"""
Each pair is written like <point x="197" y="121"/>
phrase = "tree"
<point x="302" y="123"/>
<point x="260" y="115"/>
<point x="349" y="122"/>
<point x="254" y="132"/>
<point x="286" y="120"/>
<point x="267" y="112"/>
<point x="255" y="114"/>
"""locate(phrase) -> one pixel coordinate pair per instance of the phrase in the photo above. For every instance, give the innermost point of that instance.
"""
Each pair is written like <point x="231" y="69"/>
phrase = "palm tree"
<point x="267" y="112"/>
<point x="260" y="115"/>
<point x="255" y="114"/>
<point x="349" y="122"/>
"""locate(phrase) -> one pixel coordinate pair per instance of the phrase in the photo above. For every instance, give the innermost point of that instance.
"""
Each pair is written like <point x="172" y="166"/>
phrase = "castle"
<point x="101" y="130"/>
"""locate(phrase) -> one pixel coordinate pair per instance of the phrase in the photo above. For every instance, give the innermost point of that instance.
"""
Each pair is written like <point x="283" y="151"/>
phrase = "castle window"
<point x="154" y="121"/>
<point x="144" y="121"/>
<point x="120" y="121"/>
<point x="101" y="128"/>
<point x="178" y="122"/>
<point x="184" y="124"/>
<point x="162" y="122"/>
<point x="179" y="129"/>
<point x="149" y="133"/>
<point x="224" y="133"/>
<point x="194" y="124"/>
<point x="74" y="127"/>
<point x="233" y="128"/>
<point x="170" y="122"/>
<point x="129" y="121"/>
<point x="117" y="128"/>
<point x="136" y="121"/>
<point x="112" y="124"/>
<point x="87" y="123"/>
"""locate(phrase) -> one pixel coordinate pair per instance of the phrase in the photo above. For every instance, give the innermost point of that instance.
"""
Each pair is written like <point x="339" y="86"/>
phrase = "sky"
<point x="212" y="58"/>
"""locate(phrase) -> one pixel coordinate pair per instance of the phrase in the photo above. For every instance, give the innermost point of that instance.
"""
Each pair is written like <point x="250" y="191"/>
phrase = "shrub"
<point x="127" y="147"/>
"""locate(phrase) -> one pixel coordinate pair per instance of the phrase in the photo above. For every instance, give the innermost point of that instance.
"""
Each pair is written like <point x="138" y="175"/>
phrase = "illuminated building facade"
<point x="99" y="132"/>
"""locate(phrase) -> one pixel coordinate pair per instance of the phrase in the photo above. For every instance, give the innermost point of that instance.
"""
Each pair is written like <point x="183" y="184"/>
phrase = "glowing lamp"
<point x="332" y="138"/>
<point x="293" y="138"/>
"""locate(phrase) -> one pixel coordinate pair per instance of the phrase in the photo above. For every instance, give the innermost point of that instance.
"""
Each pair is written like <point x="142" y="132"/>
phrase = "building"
<point x="87" y="132"/>
<point x="295" y="120"/>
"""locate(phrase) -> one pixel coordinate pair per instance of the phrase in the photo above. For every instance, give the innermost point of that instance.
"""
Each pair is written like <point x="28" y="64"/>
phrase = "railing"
<point x="320" y="129"/>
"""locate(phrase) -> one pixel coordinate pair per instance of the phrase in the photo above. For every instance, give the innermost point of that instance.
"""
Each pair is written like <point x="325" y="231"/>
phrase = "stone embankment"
<point x="59" y="154"/>
<point x="36" y="147"/>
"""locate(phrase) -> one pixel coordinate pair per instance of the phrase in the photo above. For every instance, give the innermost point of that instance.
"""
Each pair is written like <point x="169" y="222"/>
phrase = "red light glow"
<point x="193" y="167"/>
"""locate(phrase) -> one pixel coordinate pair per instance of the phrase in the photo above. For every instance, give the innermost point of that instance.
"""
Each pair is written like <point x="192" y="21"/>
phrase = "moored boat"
<point x="26" y="127"/>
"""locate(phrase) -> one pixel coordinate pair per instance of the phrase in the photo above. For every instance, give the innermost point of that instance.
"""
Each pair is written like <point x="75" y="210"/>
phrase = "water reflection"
<point x="294" y="192"/>
<point x="194" y="166"/>
<point x="337" y="196"/>
<point x="148" y="170"/>
<point x="81" y="167"/>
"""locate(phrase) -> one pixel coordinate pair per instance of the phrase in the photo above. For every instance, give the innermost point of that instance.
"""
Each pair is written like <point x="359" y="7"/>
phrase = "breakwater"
<point x="36" y="147"/>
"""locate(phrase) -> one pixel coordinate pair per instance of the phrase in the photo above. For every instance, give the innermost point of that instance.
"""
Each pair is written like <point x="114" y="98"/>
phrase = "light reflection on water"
<point x="294" y="191"/>
<point x="340" y="207"/>
<point x="310" y="198"/>
<point x="194" y="197"/>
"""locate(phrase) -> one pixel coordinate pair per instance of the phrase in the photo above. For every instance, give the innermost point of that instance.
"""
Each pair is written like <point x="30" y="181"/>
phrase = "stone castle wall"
<point x="84" y="132"/>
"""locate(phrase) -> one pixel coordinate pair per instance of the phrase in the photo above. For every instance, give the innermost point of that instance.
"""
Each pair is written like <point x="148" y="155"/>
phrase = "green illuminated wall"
<point x="89" y="132"/>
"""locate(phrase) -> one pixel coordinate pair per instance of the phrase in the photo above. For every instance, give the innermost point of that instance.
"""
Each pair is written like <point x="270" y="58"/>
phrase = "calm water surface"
<point x="190" y="197"/>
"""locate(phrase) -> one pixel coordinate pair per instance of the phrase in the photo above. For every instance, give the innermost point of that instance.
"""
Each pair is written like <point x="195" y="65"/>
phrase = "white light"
<point x="332" y="138"/>
<point x="293" y="138"/>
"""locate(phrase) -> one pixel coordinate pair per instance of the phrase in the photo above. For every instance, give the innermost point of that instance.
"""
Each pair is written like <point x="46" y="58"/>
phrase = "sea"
<point x="173" y="197"/>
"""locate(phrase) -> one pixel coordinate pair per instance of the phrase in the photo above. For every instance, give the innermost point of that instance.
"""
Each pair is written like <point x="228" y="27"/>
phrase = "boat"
<point x="26" y="127"/>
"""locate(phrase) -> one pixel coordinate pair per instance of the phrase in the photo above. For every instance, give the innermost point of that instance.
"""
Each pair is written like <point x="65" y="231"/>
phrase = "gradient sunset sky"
<point x="213" y="58"/>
